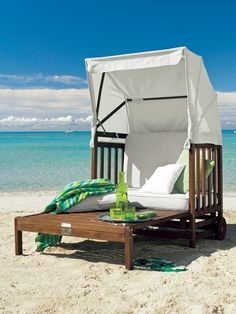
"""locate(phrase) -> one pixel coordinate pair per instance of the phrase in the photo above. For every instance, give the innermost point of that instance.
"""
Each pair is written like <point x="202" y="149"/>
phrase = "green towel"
<point x="157" y="264"/>
<point x="72" y="194"/>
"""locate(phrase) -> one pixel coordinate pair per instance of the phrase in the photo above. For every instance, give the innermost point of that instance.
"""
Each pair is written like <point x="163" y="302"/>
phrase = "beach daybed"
<point x="146" y="109"/>
<point x="149" y="110"/>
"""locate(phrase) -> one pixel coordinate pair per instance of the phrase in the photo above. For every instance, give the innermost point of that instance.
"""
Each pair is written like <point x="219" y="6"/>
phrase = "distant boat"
<point x="69" y="131"/>
<point x="234" y="131"/>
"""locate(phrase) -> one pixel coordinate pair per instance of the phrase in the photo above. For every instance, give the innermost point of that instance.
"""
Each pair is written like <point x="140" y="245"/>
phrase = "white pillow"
<point x="163" y="179"/>
<point x="96" y="202"/>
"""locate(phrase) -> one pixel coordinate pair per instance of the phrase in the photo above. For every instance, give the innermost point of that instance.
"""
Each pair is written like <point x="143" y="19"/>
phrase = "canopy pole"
<point x="129" y="99"/>
<point x="167" y="97"/>
<point x="100" y="92"/>
<point x="112" y="112"/>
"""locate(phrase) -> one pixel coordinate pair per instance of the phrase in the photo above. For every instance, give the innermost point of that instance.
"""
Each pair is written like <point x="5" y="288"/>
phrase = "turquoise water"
<point x="44" y="160"/>
<point x="49" y="160"/>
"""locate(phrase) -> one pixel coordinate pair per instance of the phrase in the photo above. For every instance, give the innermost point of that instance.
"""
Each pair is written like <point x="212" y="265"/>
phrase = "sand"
<point x="85" y="276"/>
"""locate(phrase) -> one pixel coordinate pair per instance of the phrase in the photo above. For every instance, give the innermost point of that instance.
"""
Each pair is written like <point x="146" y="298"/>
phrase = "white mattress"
<point x="136" y="198"/>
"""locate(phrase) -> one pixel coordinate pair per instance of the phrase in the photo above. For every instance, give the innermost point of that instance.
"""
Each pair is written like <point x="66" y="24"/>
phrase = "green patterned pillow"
<point x="182" y="183"/>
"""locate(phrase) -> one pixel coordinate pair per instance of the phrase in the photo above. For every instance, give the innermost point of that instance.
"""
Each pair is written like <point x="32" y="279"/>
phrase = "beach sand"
<point x="85" y="276"/>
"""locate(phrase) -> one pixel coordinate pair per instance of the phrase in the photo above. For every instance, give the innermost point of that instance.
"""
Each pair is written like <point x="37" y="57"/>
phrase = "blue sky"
<point x="43" y="45"/>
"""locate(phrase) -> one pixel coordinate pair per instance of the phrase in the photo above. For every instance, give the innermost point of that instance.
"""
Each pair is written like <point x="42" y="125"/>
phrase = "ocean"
<point x="49" y="160"/>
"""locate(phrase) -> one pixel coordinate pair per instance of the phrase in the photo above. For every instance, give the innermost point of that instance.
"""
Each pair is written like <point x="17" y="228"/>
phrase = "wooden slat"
<point x="164" y="233"/>
<point x="220" y="180"/>
<point x="111" y="134"/>
<point x="192" y="211"/>
<point x="213" y="209"/>
<point x="109" y="163"/>
<point x="101" y="162"/>
<point x="94" y="152"/>
<point x="203" y="174"/>
<point x="112" y="145"/>
<point x="116" y="165"/>
<point x="204" y="145"/>
<point x="214" y="178"/>
<point x="173" y="225"/>
<point x="100" y="158"/>
<point x="198" y="179"/>
<point x="51" y="227"/>
<point x="209" y="180"/>
<point x="206" y="222"/>
<point x="162" y="216"/>
<point x="122" y="157"/>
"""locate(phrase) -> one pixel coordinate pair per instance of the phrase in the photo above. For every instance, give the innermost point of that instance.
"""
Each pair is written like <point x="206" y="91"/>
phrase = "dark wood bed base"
<point x="205" y="215"/>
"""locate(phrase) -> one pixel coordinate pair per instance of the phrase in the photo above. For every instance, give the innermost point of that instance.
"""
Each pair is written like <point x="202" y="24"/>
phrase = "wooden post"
<point x="101" y="162"/>
<point x="198" y="180"/>
<point x="220" y="181"/>
<point x="203" y="174"/>
<point x="122" y="157"/>
<point x="94" y="158"/>
<point x="192" y="241"/>
<point x="215" y="170"/>
<point x="209" y="182"/>
<point x="18" y="240"/>
<point x="109" y="163"/>
<point x="116" y="165"/>
<point x="128" y="248"/>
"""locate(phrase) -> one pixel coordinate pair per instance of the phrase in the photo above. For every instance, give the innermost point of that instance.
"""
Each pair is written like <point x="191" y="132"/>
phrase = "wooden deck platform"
<point x="87" y="225"/>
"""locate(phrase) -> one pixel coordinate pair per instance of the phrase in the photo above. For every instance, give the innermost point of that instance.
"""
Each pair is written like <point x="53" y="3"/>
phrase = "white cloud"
<point x="32" y="123"/>
<point x="40" y="78"/>
<point x="66" y="79"/>
<point x="13" y="120"/>
<point x="86" y="119"/>
<point x="226" y="98"/>
<point x="46" y="108"/>
<point x="227" y="109"/>
<point x="44" y="101"/>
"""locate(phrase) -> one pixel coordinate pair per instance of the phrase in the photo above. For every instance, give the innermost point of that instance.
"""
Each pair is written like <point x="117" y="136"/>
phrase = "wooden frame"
<point x="111" y="149"/>
<point x="87" y="225"/>
<point x="205" y="215"/>
<point x="204" y="218"/>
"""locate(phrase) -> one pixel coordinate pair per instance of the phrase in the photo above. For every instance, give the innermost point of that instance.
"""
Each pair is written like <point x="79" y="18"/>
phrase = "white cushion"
<point x="144" y="152"/>
<point x="163" y="179"/>
<point x="159" y="201"/>
<point x="136" y="198"/>
<point x="97" y="202"/>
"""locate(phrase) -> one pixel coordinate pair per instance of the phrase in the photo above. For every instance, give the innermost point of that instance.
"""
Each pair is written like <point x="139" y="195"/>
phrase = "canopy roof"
<point x="158" y="91"/>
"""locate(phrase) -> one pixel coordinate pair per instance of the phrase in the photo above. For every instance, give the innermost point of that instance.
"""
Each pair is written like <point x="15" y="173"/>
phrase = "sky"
<point x="43" y="45"/>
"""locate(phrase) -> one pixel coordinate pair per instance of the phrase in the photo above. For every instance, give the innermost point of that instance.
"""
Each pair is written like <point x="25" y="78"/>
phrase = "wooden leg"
<point x="192" y="241"/>
<point x="18" y="240"/>
<point x="128" y="248"/>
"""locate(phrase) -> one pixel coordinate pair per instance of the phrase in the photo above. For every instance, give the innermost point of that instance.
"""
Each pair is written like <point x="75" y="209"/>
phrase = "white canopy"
<point x="158" y="91"/>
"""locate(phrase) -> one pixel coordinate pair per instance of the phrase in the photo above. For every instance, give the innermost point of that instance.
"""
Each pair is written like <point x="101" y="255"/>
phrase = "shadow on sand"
<point x="175" y="250"/>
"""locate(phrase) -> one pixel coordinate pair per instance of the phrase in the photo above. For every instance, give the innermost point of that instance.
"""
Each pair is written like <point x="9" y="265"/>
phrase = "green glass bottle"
<point x="122" y="192"/>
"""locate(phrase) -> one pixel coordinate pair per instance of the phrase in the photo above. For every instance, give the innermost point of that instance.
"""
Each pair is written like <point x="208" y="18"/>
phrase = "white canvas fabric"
<point x="167" y="73"/>
<point x="163" y="179"/>
<point x="144" y="152"/>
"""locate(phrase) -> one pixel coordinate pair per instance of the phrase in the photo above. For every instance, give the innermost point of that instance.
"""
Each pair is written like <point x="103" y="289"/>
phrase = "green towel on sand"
<point x="157" y="264"/>
<point x="72" y="194"/>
